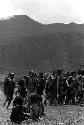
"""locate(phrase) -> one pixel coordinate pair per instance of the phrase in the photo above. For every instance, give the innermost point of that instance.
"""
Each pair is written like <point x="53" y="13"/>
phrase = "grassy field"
<point x="55" y="115"/>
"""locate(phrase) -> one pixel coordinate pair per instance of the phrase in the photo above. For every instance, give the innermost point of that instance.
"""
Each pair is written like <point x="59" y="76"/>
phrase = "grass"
<point x="54" y="115"/>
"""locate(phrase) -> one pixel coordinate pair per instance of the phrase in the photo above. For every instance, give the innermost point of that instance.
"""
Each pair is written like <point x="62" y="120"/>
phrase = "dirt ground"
<point x="54" y="115"/>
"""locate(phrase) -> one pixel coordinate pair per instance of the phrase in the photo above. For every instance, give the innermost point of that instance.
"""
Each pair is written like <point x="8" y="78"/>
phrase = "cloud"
<point x="45" y="11"/>
<point x="27" y="6"/>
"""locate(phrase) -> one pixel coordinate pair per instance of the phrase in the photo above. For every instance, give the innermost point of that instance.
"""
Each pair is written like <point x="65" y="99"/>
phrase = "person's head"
<point x="31" y="72"/>
<point x="41" y="75"/>
<point x="21" y="83"/>
<point x="18" y="101"/>
<point x="11" y="75"/>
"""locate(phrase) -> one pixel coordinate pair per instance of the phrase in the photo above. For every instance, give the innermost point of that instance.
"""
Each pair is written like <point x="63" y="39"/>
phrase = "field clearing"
<point x="54" y="115"/>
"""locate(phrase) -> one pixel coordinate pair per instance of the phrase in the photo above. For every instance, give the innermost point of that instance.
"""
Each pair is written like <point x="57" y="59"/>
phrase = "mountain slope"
<point x="26" y="44"/>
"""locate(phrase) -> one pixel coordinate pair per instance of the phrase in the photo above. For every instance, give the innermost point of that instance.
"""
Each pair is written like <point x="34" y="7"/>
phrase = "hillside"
<point x="25" y="44"/>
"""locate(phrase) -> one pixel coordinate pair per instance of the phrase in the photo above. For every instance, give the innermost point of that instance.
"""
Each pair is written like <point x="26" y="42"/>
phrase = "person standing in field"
<point x="9" y="86"/>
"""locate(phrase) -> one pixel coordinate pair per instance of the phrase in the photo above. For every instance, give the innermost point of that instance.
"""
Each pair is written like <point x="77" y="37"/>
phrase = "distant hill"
<point x="26" y="44"/>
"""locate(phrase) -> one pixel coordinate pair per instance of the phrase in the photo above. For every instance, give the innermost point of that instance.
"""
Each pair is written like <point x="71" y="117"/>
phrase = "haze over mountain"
<point x="26" y="44"/>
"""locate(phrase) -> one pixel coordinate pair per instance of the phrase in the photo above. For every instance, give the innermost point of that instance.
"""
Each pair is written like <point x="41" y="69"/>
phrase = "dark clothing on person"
<point x="18" y="114"/>
<point x="9" y="92"/>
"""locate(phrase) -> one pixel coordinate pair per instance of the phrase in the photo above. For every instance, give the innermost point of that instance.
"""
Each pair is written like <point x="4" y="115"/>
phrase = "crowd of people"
<point x="32" y="91"/>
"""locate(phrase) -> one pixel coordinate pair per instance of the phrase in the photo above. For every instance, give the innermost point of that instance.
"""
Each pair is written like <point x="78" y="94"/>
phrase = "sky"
<point x="45" y="11"/>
